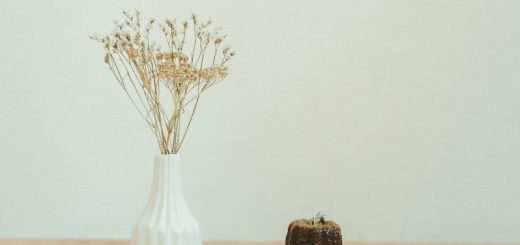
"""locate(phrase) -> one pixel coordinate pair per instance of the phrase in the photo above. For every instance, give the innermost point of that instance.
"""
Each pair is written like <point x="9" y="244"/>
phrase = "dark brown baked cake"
<point x="300" y="232"/>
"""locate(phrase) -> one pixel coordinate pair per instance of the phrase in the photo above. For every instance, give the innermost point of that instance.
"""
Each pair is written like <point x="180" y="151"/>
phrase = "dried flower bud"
<point x="225" y="50"/>
<point x="169" y="23"/>
<point x="132" y="53"/>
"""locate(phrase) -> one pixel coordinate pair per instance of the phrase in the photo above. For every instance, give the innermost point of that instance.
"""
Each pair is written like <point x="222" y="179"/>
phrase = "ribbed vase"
<point x="166" y="219"/>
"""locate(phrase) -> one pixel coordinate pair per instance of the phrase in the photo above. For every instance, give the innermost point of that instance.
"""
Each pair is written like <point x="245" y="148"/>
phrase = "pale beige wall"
<point x="398" y="119"/>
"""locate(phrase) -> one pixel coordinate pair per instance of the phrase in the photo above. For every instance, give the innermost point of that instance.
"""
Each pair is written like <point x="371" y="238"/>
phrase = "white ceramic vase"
<point x="166" y="219"/>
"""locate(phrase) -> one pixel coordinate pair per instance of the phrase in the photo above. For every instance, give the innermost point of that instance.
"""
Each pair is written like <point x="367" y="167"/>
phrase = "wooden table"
<point x="126" y="242"/>
<point x="116" y="242"/>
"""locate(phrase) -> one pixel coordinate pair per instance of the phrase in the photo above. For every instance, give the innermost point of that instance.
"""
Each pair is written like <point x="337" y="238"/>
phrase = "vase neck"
<point x="167" y="176"/>
<point x="166" y="219"/>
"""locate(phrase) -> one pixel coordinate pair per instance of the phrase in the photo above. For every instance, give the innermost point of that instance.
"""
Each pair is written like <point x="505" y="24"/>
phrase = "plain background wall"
<point x="398" y="119"/>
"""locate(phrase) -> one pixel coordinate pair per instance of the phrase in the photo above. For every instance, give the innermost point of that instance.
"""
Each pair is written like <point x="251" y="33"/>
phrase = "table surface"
<point x="126" y="242"/>
<point x="115" y="242"/>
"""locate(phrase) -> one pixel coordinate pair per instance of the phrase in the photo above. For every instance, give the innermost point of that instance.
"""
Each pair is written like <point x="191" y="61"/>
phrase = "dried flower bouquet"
<point x="164" y="84"/>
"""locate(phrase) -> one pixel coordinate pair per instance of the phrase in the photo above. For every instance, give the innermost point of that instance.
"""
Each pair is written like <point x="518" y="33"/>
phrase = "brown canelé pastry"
<point x="315" y="231"/>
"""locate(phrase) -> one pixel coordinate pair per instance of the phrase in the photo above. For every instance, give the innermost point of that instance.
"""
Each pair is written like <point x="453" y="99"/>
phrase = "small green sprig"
<point x="318" y="219"/>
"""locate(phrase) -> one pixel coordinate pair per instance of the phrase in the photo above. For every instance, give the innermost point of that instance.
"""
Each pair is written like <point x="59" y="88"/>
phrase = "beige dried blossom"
<point x="187" y="66"/>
